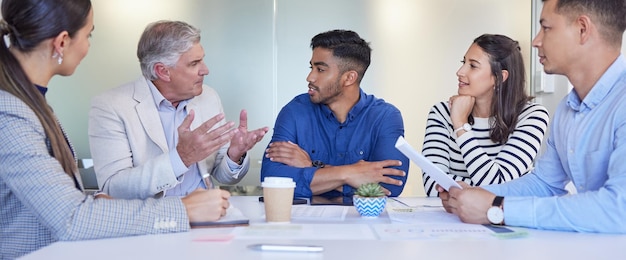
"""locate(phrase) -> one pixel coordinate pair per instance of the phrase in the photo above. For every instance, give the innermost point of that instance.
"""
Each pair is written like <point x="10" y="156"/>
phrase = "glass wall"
<point x="258" y="53"/>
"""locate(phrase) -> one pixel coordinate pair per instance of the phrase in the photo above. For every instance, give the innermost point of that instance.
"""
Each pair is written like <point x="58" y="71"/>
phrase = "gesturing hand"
<point x="288" y="153"/>
<point x="198" y="144"/>
<point x="244" y="140"/>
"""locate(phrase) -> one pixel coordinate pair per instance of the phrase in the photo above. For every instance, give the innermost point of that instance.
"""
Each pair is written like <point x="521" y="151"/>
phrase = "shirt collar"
<point x="42" y="89"/>
<point x="601" y="89"/>
<point x="354" y="111"/>
<point x="160" y="100"/>
<point x="359" y="106"/>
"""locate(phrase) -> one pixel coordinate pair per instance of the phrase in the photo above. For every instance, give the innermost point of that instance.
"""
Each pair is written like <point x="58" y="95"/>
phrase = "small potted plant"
<point x="370" y="200"/>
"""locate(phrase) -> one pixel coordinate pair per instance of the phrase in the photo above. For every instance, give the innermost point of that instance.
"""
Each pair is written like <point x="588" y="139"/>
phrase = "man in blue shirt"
<point x="335" y="137"/>
<point x="582" y="40"/>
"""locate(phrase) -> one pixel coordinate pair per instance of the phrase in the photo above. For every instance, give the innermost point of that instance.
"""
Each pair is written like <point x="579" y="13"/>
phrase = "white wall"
<point x="258" y="53"/>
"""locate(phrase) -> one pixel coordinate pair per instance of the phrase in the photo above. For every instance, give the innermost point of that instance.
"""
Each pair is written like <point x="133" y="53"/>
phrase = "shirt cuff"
<point x="177" y="164"/>
<point x="462" y="138"/>
<point x="233" y="166"/>
<point x="519" y="211"/>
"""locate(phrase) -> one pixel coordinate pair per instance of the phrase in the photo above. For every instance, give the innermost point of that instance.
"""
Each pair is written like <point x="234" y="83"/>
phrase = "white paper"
<point x="305" y="232"/>
<point x="458" y="231"/>
<point x="319" y="213"/>
<point x="427" y="166"/>
<point x="421" y="215"/>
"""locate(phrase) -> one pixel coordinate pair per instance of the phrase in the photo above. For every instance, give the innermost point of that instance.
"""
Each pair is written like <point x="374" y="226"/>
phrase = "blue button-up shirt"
<point x="369" y="133"/>
<point x="586" y="145"/>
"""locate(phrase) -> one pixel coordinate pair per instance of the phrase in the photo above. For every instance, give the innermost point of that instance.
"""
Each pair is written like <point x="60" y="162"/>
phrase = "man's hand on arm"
<point x="196" y="145"/>
<point x="377" y="172"/>
<point x="288" y="153"/>
<point x="333" y="177"/>
<point x="206" y="205"/>
<point x="244" y="140"/>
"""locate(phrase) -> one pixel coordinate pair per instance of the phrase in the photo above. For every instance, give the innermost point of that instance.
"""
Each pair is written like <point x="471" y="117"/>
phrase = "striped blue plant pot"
<point x="369" y="206"/>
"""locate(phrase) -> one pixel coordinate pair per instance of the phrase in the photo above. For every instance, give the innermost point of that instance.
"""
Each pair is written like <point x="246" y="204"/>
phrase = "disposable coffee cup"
<point x="278" y="197"/>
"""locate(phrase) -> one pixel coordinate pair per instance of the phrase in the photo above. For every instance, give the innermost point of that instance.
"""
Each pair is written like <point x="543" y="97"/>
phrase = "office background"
<point x="258" y="55"/>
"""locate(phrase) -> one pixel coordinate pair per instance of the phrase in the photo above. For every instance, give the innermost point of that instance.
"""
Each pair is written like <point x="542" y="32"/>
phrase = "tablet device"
<point x="331" y="200"/>
<point x="296" y="201"/>
<point x="498" y="229"/>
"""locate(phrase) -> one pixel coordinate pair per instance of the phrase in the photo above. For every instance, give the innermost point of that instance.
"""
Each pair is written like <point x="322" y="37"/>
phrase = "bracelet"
<point x="467" y="127"/>
<point x="458" y="130"/>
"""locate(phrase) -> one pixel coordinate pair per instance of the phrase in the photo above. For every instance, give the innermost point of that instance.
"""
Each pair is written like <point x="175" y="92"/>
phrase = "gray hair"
<point x="164" y="42"/>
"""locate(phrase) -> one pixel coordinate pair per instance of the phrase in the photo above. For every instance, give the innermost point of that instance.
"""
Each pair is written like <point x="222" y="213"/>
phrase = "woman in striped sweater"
<point x="490" y="132"/>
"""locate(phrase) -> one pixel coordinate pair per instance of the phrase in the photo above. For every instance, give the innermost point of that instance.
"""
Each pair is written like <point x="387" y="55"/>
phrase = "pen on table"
<point x="401" y="202"/>
<point x="424" y="206"/>
<point x="286" y="248"/>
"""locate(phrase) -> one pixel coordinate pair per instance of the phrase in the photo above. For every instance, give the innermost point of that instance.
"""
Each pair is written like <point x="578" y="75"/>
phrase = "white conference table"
<point x="350" y="238"/>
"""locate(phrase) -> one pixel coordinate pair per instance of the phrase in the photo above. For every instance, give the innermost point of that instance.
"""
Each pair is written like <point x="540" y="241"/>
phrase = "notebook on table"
<point x="234" y="217"/>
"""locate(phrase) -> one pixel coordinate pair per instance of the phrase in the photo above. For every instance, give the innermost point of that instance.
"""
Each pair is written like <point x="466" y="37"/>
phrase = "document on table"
<point x="306" y="231"/>
<point x="421" y="215"/>
<point x="432" y="231"/>
<point x="427" y="166"/>
<point x="321" y="213"/>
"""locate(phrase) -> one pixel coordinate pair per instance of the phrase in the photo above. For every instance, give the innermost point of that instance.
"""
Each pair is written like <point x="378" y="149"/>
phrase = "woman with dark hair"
<point x="490" y="132"/>
<point x="43" y="200"/>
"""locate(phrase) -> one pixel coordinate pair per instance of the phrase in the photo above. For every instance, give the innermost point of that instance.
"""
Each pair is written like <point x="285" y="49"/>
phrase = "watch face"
<point x="467" y="127"/>
<point x="318" y="164"/>
<point x="495" y="215"/>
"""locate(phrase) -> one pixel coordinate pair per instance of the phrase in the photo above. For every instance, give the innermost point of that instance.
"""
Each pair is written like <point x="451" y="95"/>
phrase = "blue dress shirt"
<point x="586" y="145"/>
<point x="369" y="133"/>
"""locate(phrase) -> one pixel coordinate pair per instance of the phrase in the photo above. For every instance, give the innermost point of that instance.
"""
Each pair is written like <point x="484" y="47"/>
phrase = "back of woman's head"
<point x="29" y="22"/>
<point x="510" y="95"/>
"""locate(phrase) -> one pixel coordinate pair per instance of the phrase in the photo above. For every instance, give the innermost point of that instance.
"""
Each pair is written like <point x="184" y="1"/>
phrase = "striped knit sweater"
<point x="473" y="157"/>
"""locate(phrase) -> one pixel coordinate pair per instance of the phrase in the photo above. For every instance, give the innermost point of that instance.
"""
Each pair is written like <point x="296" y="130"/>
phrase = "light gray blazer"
<point x="40" y="204"/>
<point x="129" y="148"/>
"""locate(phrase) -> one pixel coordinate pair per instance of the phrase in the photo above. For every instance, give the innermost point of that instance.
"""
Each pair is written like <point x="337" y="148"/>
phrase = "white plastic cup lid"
<point x="278" y="182"/>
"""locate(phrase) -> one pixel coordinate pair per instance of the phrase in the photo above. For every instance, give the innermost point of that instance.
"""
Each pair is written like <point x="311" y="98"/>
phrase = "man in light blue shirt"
<point x="582" y="40"/>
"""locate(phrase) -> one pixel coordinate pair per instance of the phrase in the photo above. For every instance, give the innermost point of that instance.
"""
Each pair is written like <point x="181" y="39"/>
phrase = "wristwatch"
<point x="495" y="214"/>
<point x="318" y="164"/>
<point x="467" y="127"/>
<point x="242" y="158"/>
